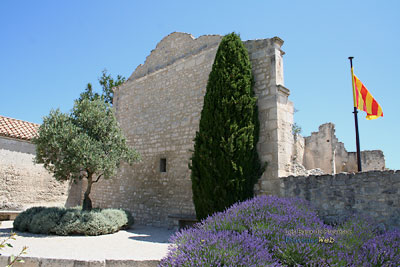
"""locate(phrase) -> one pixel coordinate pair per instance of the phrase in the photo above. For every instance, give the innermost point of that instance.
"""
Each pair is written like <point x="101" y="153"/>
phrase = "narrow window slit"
<point x="163" y="165"/>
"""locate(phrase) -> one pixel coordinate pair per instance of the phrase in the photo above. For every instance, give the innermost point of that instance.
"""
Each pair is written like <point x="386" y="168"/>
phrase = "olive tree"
<point x="85" y="143"/>
<point x="107" y="83"/>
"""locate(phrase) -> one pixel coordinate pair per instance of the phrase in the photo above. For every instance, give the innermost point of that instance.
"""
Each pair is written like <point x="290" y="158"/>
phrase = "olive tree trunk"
<point x="87" y="202"/>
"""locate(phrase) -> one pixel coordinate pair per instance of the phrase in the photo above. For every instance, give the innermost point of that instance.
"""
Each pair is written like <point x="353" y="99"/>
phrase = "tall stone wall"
<point x="374" y="193"/>
<point x="24" y="184"/>
<point x="159" y="109"/>
<point x="275" y="112"/>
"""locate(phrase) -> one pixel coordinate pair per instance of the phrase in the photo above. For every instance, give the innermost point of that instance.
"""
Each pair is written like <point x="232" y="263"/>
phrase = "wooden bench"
<point x="9" y="215"/>
<point x="182" y="221"/>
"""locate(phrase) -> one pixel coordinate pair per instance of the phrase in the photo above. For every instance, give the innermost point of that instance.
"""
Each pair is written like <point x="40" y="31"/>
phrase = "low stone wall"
<point x="375" y="193"/>
<point x="24" y="184"/>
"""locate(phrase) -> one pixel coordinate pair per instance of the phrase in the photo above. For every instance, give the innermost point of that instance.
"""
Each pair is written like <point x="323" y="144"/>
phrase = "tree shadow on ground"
<point x="150" y="234"/>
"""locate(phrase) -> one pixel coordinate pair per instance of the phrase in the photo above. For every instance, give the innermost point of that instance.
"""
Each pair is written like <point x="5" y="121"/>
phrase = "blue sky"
<point x="50" y="50"/>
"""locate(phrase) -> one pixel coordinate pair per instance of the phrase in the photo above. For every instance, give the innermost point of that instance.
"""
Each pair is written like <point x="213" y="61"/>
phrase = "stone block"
<point x="371" y="189"/>
<point x="395" y="178"/>
<point x="337" y="193"/>
<point x="257" y="55"/>
<point x="190" y="64"/>
<point x="90" y="263"/>
<point x="266" y="102"/>
<point x="3" y="260"/>
<point x="44" y="262"/>
<point x="339" y="206"/>
<point x="325" y="206"/>
<point x="336" y="181"/>
<point x="273" y="113"/>
<point x="391" y="190"/>
<point x="30" y="262"/>
<point x="131" y="263"/>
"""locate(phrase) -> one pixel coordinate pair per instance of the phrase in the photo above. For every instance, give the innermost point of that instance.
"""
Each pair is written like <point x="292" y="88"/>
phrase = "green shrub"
<point x="45" y="220"/>
<point x="73" y="221"/>
<point x="23" y="220"/>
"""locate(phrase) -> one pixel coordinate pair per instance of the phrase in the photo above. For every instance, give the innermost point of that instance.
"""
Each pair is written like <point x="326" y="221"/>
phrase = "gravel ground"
<point x="139" y="243"/>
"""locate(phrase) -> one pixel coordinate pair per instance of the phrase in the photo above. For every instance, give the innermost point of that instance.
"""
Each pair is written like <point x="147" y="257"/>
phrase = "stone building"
<point x="159" y="108"/>
<point x="22" y="183"/>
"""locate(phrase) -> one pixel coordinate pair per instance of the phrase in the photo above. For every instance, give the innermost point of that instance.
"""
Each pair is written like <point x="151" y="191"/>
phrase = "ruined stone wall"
<point x="24" y="184"/>
<point x="370" y="160"/>
<point x="159" y="109"/>
<point x="323" y="150"/>
<point x="318" y="148"/>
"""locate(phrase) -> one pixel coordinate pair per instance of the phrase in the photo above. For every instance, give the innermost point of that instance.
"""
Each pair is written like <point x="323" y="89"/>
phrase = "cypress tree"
<point x="225" y="164"/>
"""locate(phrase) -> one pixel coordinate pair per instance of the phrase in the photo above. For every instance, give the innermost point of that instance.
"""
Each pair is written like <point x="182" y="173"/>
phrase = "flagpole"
<point x="356" y="118"/>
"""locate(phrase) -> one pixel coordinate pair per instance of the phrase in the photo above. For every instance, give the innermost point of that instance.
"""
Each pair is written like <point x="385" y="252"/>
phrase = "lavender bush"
<point x="273" y="231"/>
<point x="199" y="247"/>
<point x="366" y="246"/>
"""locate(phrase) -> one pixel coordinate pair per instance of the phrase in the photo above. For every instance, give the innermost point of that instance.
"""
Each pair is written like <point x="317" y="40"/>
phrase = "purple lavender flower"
<point x="273" y="231"/>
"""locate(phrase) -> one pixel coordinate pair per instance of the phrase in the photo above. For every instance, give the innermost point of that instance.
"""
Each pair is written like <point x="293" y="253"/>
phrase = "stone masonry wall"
<point x="24" y="184"/>
<point x="159" y="109"/>
<point x="275" y="112"/>
<point x="375" y="193"/>
<point x="370" y="160"/>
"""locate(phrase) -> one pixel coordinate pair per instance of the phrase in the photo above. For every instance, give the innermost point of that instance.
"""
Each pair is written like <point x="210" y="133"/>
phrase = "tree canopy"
<point x="86" y="143"/>
<point x="107" y="83"/>
<point x="225" y="164"/>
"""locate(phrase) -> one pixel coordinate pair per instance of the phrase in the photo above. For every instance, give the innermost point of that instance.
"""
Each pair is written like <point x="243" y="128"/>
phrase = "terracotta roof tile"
<point x="18" y="129"/>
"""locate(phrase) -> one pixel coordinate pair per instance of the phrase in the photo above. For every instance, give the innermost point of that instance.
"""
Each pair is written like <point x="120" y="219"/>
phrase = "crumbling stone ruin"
<point x="322" y="153"/>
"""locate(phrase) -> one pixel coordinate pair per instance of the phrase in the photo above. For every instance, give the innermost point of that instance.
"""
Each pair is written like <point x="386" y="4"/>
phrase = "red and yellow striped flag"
<point x="363" y="100"/>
